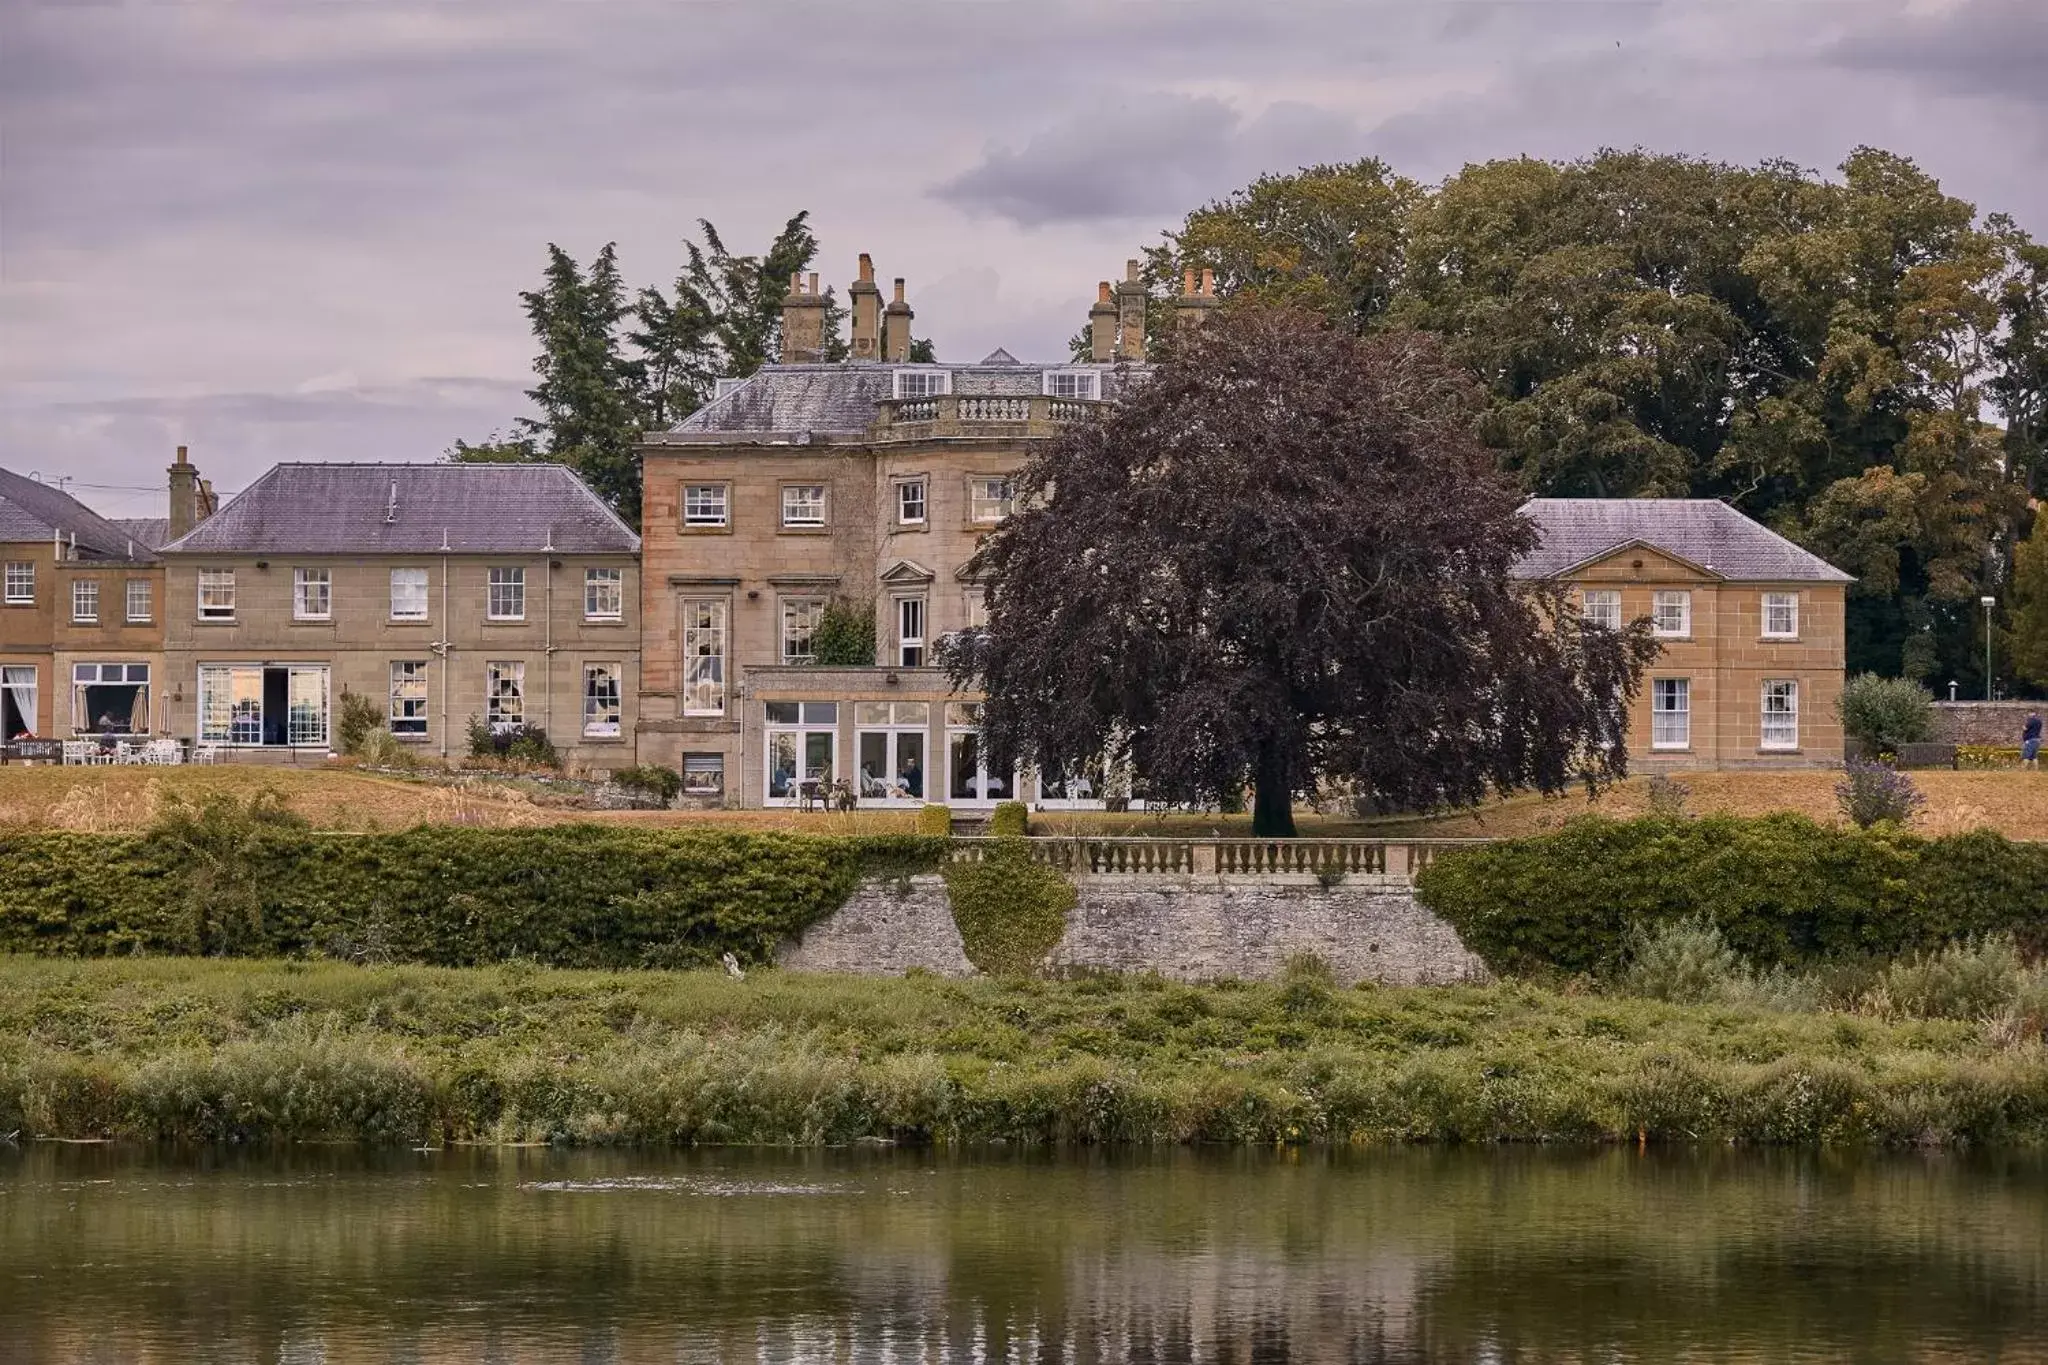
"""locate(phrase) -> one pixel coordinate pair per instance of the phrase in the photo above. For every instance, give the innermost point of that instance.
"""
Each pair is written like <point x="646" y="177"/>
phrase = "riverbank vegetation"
<point x="216" y="1051"/>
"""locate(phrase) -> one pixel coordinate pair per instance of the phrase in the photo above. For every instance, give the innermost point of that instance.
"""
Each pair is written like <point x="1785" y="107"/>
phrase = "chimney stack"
<point x="1197" y="298"/>
<point x="803" y="322"/>
<point x="185" y="498"/>
<point x="1130" y="315"/>
<point x="1102" y="326"/>
<point x="896" y="328"/>
<point x="867" y="312"/>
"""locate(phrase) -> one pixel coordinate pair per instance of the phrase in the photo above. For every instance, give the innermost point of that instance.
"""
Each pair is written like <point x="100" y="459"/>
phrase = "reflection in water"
<point x="1499" y="1256"/>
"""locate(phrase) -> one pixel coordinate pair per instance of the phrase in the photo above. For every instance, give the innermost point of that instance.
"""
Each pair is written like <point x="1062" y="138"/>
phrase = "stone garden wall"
<point x="1190" y="928"/>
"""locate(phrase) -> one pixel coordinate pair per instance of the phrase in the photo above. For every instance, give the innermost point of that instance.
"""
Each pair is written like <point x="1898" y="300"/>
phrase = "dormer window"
<point x="1073" y="384"/>
<point x="921" y="383"/>
<point x="726" y="384"/>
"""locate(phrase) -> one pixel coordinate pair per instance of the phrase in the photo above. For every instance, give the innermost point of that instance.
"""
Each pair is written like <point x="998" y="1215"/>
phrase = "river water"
<point x="329" y="1255"/>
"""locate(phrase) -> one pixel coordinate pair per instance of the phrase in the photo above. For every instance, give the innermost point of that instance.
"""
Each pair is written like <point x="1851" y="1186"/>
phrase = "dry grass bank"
<point x="110" y="799"/>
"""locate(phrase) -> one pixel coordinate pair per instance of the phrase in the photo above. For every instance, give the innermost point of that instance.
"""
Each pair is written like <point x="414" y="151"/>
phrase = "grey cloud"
<point x="124" y="442"/>
<point x="1157" y="155"/>
<point x="1979" y="48"/>
<point x="209" y="201"/>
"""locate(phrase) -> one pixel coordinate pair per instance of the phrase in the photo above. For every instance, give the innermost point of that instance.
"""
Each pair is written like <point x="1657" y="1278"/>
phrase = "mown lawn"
<point x="217" y="1051"/>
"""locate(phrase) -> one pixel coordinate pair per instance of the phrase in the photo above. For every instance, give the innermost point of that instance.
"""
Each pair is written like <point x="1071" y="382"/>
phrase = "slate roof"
<point x="839" y="399"/>
<point x="1702" y="531"/>
<point x="36" y="511"/>
<point x="148" y="532"/>
<point x="347" y="509"/>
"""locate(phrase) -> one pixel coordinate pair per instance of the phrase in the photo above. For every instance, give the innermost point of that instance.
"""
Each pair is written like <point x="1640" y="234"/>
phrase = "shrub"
<point x="1885" y="712"/>
<point x="528" y="744"/>
<point x="1871" y="792"/>
<point x="1011" y="911"/>
<point x="659" y="783"/>
<point x="1667" y="796"/>
<point x="1981" y="756"/>
<point x="1782" y="890"/>
<point x="253" y="881"/>
<point x="382" y="749"/>
<point x="356" y="717"/>
<point x="1685" y="961"/>
<point x="935" y="820"/>
<point x="844" y="635"/>
<point x="1975" y="979"/>
<point x="1009" y="820"/>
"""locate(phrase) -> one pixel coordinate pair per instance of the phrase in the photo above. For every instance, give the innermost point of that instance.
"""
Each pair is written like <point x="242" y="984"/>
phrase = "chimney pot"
<point x="1187" y="280"/>
<point x="1130" y="270"/>
<point x="896" y="327"/>
<point x="182" y="459"/>
<point x="1208" y="283"/>
<point x="814" y="281"/>
<point x="867" y="312"/>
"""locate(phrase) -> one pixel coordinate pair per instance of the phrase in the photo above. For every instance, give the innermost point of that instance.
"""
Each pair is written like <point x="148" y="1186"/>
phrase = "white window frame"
<point x="921" y="381"/>
<point x="1080" y="384"/>
<point x="504" y="681"/>
<point x="595" y="581"/>
<point x="707" y="506"/>
<point x="1601" y="606"/>
<point x="903" y="730"/>
<point x="412" y="575"/>
<point x="132" y="590"/>
<point x="913" y="630"/>
<point x="727" y="384"/>
<point x="505" y="586"/>
<point x="307" y="605"/>
<point x="976" y="600"/>
<point x="800" y="503"/>
<point x="1679" y="599"/>
<point x="408" y="716"/>
<point x="707" y="647"/>
<point x="18" y="681"/>
<point x="1784" y="719"/>
<point x="798" y="625"/>
<point x="984" y="509"/>
<point x="220" y="725"/>
<point x="1664" y="732"/>
<point x="85" y="601"/>
<point x="813" y="719"/>
<point x="218" y="585"/>
<point x="904" y="489"/>
<point x="1788" y="602"/>
<point x="21" y="583"/>
<point x="84" y="675"/>
<point x="604" y="710"/>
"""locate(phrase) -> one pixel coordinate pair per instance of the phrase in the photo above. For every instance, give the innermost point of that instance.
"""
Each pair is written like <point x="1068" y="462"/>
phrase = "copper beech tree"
<point x="1284" y="561"/>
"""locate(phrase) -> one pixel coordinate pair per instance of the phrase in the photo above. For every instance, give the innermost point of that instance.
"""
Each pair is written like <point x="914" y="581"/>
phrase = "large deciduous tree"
<point x="1285" y="560"/>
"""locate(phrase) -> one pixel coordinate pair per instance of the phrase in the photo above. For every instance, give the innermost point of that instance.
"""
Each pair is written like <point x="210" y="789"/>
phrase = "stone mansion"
<point x="512" y="595"/>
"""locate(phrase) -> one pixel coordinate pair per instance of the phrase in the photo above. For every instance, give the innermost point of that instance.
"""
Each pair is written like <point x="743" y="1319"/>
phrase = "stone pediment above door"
<point x="905" y="573"/>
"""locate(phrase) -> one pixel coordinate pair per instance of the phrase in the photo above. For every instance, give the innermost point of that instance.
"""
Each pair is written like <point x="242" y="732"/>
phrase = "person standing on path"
<point x="2030" y="741"/>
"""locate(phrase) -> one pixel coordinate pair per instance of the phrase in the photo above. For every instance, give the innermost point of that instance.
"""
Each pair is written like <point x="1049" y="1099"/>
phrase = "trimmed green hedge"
<point x="563" y="895"/>
<point x="1783" y="889"/>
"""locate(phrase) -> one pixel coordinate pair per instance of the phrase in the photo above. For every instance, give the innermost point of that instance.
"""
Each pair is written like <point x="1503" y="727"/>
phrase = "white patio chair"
<point x="78" y="751"/>
<point x="206" y="753"/>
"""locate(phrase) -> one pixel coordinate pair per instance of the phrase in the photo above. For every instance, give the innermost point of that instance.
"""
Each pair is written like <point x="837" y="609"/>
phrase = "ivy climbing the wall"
<point x="1011" y="912"/>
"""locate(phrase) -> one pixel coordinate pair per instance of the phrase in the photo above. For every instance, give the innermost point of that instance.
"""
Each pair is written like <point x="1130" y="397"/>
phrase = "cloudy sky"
<point x="280" y="231"/>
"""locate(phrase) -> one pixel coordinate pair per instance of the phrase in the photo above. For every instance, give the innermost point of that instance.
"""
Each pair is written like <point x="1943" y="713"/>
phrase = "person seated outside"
<point x="107" y="730"/>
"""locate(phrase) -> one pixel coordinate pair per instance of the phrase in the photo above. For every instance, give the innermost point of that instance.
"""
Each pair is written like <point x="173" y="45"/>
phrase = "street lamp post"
<point x="1988" y="602"/>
